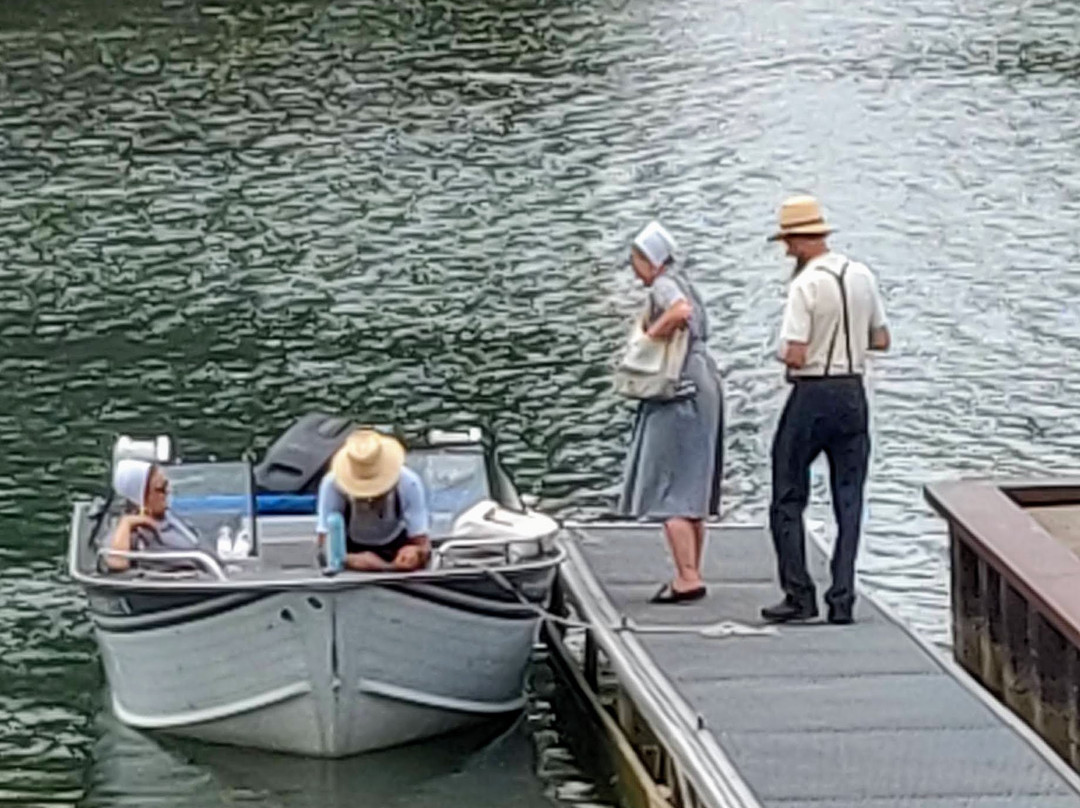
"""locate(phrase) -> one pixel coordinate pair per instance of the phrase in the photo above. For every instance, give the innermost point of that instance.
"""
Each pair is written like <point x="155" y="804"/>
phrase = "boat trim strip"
<point x="209" y="714"/>
<point x="408" y="694"/>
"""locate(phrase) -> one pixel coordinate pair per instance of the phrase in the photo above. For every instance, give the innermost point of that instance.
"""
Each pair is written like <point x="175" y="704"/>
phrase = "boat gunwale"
<point x="212" y="604"/>
<point x="317" y="582"/>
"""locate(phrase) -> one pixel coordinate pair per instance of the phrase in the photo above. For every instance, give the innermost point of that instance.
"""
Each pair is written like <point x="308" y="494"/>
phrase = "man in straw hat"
<point x="383" y="502"/>
<point x="834" y="316"/>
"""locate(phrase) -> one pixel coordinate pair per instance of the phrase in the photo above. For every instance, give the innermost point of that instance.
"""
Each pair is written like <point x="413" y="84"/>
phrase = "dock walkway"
<point x="808" y="716"/>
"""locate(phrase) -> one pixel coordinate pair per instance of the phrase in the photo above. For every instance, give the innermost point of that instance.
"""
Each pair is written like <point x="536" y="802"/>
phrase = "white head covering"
<point x="130" y="478"/>
<point x="655" y="243"/>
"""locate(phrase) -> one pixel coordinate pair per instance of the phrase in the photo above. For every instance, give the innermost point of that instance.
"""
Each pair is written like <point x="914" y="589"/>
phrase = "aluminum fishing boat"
<point x="249" y="643"/>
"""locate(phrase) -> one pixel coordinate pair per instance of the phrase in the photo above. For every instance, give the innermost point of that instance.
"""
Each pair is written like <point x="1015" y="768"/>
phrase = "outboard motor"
<point x="297" y="460"/>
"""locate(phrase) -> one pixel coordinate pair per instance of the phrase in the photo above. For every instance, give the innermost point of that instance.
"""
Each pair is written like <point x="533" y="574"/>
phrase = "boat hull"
<point x="324" y="673"/>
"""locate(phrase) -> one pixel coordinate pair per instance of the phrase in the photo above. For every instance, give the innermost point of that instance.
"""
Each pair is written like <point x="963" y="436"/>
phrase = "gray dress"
<point x="675" y="463"/>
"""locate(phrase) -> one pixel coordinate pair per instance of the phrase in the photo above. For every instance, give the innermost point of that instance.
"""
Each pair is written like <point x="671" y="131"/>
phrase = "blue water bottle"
<point x="335" y="543"/>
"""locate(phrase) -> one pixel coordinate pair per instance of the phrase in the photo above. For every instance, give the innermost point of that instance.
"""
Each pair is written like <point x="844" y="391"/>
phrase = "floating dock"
<point x="723" y="711"/>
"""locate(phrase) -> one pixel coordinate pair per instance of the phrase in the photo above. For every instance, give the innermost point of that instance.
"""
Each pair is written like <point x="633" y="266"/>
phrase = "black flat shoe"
<point x="840" y="618"/>
<point x="668" y="594"/>
<point x="787" y="612"/>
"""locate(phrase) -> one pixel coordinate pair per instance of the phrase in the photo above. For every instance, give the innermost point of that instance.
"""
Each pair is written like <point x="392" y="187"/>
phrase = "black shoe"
<point x="787" y="611"/>
<point x="669" y="594"/>
<point x="840" y="617"/>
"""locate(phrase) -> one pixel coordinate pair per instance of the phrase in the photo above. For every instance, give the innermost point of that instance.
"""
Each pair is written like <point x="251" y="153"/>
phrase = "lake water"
<point x="217" y="215"/>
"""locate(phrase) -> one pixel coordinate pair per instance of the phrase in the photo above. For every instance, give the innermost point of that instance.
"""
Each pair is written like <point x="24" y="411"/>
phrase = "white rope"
<point x="506" y="584"/>
<point x="719" y="630"/>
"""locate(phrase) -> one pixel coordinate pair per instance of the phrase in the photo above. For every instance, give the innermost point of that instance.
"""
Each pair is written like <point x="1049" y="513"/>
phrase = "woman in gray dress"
<point x="675" y="464"/>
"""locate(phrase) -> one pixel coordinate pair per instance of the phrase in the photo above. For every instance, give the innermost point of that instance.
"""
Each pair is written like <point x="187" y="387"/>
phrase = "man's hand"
<point x="794" y="355"/>
<point x="408" y="558"/>
<point x="366" y="562"/>
<point x="880" y="339"/>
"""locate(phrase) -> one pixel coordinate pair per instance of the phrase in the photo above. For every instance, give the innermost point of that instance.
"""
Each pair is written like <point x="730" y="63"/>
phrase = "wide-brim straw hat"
<point x="368" y="465"/>
<point x="801" y="216"/>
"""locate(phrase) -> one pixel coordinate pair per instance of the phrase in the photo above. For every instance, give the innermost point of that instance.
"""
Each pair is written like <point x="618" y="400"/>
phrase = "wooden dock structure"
<point x="1015" y="552"/>
<point x="722" y="711"/>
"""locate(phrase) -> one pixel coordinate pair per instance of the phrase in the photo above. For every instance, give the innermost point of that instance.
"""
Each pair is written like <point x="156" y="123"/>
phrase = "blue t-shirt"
<point x="410" y="492"/>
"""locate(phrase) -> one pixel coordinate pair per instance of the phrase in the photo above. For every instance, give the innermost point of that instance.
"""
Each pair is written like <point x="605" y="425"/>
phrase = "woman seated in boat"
<point x="151" y="527"/>
<point x="383" y="504"/>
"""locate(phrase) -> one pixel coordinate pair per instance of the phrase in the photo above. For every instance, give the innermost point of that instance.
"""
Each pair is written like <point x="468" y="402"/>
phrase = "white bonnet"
<point x="655" y="243"/>
<point x="130" y="478"/>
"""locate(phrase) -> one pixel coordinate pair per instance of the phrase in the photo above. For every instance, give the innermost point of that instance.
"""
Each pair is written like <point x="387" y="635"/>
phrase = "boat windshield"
<point x="215" y="499"/>
<point x="455" y="480"/>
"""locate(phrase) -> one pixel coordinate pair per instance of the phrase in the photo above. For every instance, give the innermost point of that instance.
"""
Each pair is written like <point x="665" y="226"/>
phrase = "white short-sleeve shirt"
<point x="813" y="314"/>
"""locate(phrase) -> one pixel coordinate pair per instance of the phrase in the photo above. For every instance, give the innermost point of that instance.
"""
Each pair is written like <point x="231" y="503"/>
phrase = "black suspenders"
<point x="844" y="319"/>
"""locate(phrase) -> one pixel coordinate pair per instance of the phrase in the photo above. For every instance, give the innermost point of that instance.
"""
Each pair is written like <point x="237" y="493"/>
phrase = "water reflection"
<point x="520" y="760"/>
<point x="480" y="767"/>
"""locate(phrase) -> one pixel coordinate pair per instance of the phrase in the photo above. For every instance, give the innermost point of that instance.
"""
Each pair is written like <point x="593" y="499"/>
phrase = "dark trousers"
<point x="821" y="415"/>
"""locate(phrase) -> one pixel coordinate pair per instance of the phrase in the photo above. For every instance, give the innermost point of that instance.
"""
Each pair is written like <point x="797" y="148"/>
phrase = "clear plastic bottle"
<point x="224" y="542"/>
<point x="242" y="544"/>
<point x="335" y="543"/>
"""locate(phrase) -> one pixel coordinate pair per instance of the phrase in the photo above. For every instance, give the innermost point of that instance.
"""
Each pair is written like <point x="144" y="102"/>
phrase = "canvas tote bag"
<point x="651" y="368"/>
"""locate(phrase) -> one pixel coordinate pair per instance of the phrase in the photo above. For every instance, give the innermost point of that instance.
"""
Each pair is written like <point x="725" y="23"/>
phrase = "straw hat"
<point x="368" y="465"/>
<point x="801" y="216"/>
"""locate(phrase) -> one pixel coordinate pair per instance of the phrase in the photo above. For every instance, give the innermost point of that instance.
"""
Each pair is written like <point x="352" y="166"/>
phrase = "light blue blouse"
<point x="410" y="491"/>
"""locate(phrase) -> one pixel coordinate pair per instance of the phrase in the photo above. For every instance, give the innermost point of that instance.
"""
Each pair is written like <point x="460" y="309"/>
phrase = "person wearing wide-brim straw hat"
<point x="801" y="216"/>
<point x="675" y="463"/>
<point x="383" y="502"/>
<point x="834" y="316"/>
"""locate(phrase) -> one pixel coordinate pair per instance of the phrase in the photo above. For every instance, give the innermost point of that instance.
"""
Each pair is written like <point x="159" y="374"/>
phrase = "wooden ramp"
<point x="799" y="716"/>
